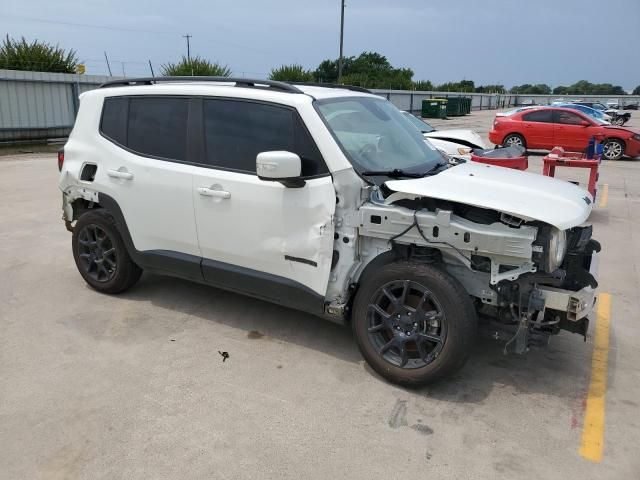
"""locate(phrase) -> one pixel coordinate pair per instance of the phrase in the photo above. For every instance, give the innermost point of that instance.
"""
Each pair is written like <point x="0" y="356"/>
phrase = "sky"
<point x="507" y="42"/>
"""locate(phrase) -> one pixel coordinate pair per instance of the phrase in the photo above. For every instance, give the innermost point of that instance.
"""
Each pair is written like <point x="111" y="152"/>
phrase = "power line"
<point x="87" y="25"/>
<point x="133" y="30"/>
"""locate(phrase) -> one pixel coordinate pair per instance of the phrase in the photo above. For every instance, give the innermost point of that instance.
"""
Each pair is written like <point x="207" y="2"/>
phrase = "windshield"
<point x="376" y="136"/>
<point x="423" y="126"/>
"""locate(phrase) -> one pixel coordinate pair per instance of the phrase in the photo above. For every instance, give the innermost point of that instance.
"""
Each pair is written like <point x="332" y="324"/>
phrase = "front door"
<point x="537" y="127"/>
<point x="569" y="132"/>
<point x="257" y="236"/>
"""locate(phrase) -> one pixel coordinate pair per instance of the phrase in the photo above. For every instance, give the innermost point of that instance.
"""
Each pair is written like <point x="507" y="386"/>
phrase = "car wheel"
<point x="413" y="323"/>
<point x="613" y="149"/>
<point x="100" y="254"/>
<point x="514" y="140"/>
<point x="619" y="121"/>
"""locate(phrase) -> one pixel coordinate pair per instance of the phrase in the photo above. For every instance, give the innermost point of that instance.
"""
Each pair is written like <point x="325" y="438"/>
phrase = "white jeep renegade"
<point x="328" y="200"/>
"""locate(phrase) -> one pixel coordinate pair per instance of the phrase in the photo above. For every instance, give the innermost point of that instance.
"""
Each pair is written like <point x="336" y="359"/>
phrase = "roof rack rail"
<point x="239" y="82"/>
<point x="331" y="85"/>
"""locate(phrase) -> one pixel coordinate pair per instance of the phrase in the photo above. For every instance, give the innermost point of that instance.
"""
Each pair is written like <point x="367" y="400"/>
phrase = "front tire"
<point x="100" y="254"/>
<point x="413" y="323"/>
<point x="612" y="149"/>
<point x="514" y="140"/>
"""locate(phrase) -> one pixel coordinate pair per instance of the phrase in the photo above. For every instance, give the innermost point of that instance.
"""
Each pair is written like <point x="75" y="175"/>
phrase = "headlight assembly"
<point x="557" y="249"/>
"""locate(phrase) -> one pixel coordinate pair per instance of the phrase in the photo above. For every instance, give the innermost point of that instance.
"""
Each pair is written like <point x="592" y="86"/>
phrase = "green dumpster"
<point x="434" y="108"/>
<point x="454" y="107"/>
<point x="467" y="105"/>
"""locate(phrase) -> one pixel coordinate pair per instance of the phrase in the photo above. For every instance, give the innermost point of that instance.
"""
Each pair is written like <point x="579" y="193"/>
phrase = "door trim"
<point x="262" y="285"/>
<point x="265" y="286"/>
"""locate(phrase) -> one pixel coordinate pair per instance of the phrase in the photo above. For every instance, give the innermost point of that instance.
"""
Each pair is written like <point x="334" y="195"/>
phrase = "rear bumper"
<point x="495" y="137"/>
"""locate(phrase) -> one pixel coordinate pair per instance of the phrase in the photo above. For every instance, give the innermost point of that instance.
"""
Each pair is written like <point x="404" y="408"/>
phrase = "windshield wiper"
<point x="435" y="169"/>
<point x="395" y="173"/>
<point x="398" y="172"/>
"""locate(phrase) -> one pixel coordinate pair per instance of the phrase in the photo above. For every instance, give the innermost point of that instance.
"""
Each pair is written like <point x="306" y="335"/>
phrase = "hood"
<point x="620" y="129"/>
<point x="466" y="138"/>
<point x="525" y="195"/>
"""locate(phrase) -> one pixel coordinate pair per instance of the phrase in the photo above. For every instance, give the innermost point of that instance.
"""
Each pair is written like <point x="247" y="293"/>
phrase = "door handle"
<point x="120" y="174"/>
<point x="207" y="192"/>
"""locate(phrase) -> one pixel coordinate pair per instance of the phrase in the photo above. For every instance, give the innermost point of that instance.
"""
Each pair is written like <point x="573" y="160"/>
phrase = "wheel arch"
<point x="621" y="140"/>
<point x="397" y="253"/>
<point x="524" y="140"/>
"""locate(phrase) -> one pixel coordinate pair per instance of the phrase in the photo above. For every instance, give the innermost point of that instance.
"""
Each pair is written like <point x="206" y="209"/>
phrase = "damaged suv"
<point x="328" y="200"/>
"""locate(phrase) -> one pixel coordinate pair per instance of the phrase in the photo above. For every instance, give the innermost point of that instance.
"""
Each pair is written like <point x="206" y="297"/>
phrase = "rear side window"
<point x="236" y="131"/>
<point x="542" y="116"/>
<point x="114" y="119"/>
<point x="158" y="126"/>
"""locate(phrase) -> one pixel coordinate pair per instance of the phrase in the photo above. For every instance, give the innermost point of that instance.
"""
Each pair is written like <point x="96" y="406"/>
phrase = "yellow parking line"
<point x="593" y="430"/>
<point x="604" y="196"/>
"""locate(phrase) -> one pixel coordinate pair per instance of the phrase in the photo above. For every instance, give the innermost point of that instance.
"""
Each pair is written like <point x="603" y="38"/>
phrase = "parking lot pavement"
<point x="132" y="386"/>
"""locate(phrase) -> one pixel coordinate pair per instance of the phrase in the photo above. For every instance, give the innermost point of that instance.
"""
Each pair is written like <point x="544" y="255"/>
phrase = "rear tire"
<point x="100" y="254"/>
<point x="612" y="149"/>
<point x="514" y="140"/>
<point x="413" y="323"/>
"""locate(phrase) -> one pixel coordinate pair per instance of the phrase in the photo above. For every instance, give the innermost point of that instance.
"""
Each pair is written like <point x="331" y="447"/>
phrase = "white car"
<point x="508" y="113"/>
<point x="453" y="142"/>
<point x="329" y="201"/>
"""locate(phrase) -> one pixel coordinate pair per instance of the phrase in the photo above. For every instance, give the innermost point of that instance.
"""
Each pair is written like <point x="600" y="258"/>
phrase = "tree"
<point x="491" y="89"/>
<point x="291" y="73"/>
<point x="461" y="86"/>
<point x="195" y="66"/>
<point x="423" y="85"/>
<point x="539" y="89"/>
<point x="36" y="56"/>
<point x="583" y="87"/>
<point x="369" y="69"/>
<point x="636" y="91"/>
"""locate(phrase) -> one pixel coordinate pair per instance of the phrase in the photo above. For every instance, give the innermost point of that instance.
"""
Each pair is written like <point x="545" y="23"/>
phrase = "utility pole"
<point x="187" y="36"/>
<point x="108" y="66"/>
<point x="340" y="60"/>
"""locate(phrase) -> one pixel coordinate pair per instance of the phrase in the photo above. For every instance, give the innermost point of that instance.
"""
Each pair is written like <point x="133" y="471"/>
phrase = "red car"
<point x="546" y="127"/>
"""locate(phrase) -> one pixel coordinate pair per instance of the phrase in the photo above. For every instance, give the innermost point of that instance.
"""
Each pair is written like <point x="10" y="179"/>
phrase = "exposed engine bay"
<point x="528" y="279"/>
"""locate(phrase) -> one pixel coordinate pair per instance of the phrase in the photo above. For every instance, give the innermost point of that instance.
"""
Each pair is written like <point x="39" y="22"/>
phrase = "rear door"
<point x="256" y="236"/>
<point x="144" y="170"/>
<point x="569" y="133"/>
<point x="537" y="127"/>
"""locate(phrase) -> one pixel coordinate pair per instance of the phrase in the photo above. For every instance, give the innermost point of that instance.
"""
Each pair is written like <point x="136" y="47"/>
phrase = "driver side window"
<point x="568" y="118"/>
<point x="236" y="131"/>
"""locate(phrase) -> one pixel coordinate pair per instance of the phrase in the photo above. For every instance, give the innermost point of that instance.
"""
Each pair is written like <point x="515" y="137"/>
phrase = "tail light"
<point x="60" y="159"/>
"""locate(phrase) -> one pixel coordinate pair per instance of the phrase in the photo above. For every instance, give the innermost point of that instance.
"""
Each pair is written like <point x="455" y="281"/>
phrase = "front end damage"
<point x="521" y="295"/>
<point x="538" y="305"/>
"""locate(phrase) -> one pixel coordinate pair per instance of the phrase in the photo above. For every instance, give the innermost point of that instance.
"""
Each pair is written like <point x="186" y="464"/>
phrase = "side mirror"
<point x="584" y="123"/>
<point x="280" y="166"/>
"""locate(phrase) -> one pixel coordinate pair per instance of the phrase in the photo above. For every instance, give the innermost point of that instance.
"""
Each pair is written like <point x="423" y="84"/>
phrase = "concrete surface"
<point x="132" y="386"/>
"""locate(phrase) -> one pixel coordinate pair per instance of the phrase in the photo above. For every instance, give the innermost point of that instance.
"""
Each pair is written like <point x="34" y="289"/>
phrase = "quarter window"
<point x="236" y="131"/>
<point x="541" y="116"/>
<point x="114" y="119"/>
<point x="158" y="126"/>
